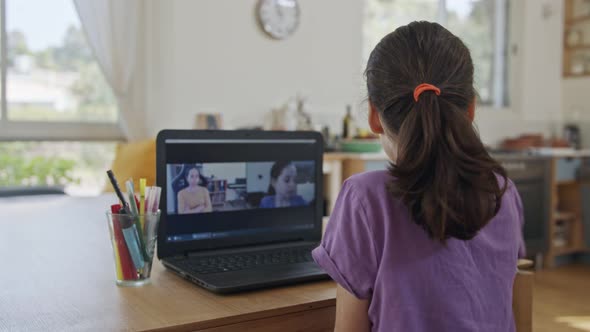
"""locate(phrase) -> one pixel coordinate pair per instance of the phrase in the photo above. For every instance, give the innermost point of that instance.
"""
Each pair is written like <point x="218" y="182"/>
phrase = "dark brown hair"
<point x="275" y="172"/>
<point x="443" y="173"/>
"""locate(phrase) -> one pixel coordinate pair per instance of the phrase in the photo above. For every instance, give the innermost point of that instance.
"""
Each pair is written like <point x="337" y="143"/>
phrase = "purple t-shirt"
<point x="375" y="251"/>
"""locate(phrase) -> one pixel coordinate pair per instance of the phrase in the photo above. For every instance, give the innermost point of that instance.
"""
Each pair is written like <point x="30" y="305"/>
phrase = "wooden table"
<point x="58" y="274"/>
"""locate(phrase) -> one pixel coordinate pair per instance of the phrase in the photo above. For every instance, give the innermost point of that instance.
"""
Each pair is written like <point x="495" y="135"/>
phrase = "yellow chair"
<point x="135" y="160"/>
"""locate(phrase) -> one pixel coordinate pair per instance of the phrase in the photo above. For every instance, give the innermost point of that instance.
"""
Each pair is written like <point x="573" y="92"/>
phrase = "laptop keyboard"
<point x="242" y="261"/>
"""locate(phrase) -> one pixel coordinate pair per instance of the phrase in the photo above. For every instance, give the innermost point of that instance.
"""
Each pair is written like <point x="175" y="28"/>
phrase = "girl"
<point x="283" y="188"/>
<point x="432" y="243"/>
<point x="194" y="198"/>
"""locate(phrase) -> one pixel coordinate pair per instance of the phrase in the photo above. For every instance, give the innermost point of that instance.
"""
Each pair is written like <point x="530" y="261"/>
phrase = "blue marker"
<point x="131" y="237"/>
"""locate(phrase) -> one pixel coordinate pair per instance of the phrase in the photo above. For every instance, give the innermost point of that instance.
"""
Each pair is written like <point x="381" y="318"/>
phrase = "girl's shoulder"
<point x="371" y="189"/>
<point x="511" y="192"/>
<point x="370" y="182"/>
<point x="298" y="200"/>
<point x="267" y="201"/>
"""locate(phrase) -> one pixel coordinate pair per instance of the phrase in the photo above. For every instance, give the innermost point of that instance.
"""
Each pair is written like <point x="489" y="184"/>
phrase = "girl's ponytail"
<point x="443" y="173"/>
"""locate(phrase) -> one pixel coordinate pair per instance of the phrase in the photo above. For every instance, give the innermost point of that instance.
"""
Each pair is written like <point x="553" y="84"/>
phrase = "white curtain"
<point x="112" y="28"/>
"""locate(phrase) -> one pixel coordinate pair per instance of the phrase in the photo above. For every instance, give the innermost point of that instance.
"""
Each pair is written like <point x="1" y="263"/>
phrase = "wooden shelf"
<point x="567" y="182"/>
<point x="573" y="16"/>
<point x="564" y="216"/>
<point x="566" y="224"/>
<point x="567" y="250"/>
<point x="576" y="75"/>
<point x="577" y="47"/>
<point x="567" y="209"/>
<point x="577" y="19"/>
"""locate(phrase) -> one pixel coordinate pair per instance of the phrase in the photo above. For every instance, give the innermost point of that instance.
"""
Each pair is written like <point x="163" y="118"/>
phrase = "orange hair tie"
<point x="425" y="87"/>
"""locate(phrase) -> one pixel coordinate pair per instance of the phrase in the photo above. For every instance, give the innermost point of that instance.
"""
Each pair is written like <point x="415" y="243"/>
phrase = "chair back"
<point x="522" y="297"/>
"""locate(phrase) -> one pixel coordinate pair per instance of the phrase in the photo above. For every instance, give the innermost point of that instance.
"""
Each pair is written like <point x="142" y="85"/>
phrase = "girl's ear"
<point x="374" y="120"/>
<point x="471" y="110"/>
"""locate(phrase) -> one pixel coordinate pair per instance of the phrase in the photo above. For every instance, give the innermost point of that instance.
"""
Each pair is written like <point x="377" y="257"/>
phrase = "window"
<point x="52" y="86"/>
<point x="54" y="100"/>
<point x="481" y="24"/>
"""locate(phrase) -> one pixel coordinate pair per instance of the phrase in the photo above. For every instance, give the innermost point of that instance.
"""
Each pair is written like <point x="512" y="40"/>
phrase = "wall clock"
<point x="278" y="18"/>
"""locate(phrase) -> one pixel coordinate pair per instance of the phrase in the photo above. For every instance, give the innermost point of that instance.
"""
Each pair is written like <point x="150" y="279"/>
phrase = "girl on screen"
<point x="194" y="198"/>
<point x="282" y="191"/>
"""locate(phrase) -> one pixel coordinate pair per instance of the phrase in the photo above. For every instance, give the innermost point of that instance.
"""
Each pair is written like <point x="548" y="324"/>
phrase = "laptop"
<point x="240" y="209"/>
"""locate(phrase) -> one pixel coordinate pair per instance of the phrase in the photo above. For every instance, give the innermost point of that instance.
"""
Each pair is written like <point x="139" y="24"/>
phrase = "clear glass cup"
<point x="133" y="239"/>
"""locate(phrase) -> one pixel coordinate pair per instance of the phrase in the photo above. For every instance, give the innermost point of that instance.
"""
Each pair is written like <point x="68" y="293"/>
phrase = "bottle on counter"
<point x="571" y="133"/>
<point x="348" y="124"/>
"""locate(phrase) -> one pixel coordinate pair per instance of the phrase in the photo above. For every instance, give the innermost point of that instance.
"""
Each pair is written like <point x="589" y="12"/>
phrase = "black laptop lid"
<point x="224" y="189"/>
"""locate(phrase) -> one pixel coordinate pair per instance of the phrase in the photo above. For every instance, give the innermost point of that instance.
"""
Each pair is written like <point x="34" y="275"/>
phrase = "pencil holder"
<point x="133" y="238"/>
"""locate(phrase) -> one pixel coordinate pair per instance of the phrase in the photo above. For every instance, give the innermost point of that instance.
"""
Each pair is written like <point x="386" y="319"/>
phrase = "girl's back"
<point x="374" y="250"/>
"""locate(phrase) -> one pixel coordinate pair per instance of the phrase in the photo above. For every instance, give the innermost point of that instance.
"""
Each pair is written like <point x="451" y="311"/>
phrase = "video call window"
<point x="218" y="187"/>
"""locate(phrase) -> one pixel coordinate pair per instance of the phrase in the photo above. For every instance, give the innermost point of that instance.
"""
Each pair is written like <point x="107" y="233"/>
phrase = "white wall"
<point x="210" y="56"/>
<point x="576" y="105"/>
<point x="535" y="73"/>
<point x="258" y="176"/>
<point x="576" y="99"/>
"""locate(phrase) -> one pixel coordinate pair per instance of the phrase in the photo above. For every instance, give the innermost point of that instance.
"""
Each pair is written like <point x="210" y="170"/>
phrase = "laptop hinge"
<point x="253" y="247"/>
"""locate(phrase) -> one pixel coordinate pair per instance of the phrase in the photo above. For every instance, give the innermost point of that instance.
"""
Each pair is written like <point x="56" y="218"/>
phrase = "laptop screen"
<point x="225" y="189"/>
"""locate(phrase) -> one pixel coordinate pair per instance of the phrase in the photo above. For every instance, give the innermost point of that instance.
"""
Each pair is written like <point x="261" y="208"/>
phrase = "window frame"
<point x="18" y="130"/>
<point x="502" y="59"/>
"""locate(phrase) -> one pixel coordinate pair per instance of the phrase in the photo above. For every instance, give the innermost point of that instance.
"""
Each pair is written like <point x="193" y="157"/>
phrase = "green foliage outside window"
<point x="17" y="169"/>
